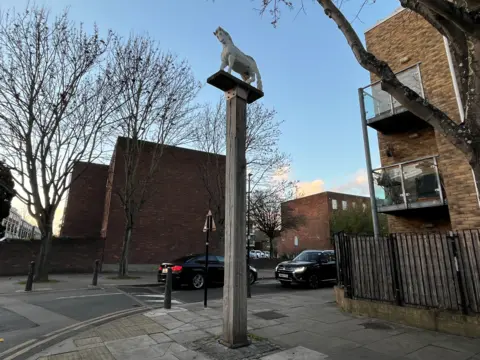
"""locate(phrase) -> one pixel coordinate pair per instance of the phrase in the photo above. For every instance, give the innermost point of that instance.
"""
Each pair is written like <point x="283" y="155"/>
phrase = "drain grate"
<point x="377" y="326"/>
<point x="269" y="315"/>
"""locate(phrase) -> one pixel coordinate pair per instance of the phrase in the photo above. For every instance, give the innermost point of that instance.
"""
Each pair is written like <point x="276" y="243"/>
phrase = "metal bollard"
<point x="28" y="285"/>
<point x="167" y="301"/>
<point x="95" y="273"/>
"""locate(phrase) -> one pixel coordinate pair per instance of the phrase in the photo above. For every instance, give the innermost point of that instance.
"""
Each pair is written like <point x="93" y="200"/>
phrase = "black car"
<point x="190" y="270"/>
<point x="310" y="267"/>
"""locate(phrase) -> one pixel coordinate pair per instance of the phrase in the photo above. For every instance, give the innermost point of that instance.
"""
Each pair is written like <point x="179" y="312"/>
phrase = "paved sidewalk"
<point x="10" y="284"/>
<point x="300" y="325"/>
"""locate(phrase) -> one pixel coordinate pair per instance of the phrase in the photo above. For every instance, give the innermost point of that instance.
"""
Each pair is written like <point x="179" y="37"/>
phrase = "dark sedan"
<point x="190" y="271"/>
<point x="310" y="267"/>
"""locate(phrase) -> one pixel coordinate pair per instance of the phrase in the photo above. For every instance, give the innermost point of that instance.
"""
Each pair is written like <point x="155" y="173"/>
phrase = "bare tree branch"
<point x="154" y="109"/>
<point x="56" y="97"/>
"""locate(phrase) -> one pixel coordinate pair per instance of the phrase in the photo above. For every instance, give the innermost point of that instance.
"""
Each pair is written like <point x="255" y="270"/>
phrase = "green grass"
<point x="123" y="277"/>
<point x="255" y="337"/>
<point x="51" y="281"/>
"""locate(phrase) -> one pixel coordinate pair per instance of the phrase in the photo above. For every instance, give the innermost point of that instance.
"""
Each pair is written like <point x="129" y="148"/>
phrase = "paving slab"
<point x="431" y="352"/>
<point x="296" y="353"/>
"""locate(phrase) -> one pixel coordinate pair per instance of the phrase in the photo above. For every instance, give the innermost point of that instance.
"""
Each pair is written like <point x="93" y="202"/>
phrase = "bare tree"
<point x="155" y="106"/>
<point x="264" y="159"/>
<point x="7" y="192"/>
<point x="459" y="22"/>
<point x="55" y="99"/>
<point x="267" y="217"/>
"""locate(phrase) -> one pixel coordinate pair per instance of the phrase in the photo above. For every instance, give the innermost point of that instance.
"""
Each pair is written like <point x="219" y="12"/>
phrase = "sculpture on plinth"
<point x="236" y="60"/>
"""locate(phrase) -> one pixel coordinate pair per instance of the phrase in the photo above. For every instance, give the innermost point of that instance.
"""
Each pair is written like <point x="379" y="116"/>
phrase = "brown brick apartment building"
<point x="428" y="184"/>
<point x="170" y="222"/>
<point x="315" y="211"/>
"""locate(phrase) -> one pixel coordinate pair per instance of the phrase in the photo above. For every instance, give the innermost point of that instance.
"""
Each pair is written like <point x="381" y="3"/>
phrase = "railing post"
<point x="29" y="284"/>
<point x="167" y="300"/>
<point x="403" y="185"/>
<point x="435" y="163"/>
<point x="461" y="287"/>
<point x="348" y="266"/>
<point x="95" y="273"/>
<point x="395" y="270"/>
<point x="420" y="79"/>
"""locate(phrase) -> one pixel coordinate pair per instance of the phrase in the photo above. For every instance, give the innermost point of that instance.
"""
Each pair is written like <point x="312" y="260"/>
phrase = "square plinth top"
<point x="226" y="82"/>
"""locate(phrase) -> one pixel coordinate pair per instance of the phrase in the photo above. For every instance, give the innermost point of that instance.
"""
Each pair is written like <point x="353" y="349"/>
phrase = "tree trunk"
<point x="271" y="247"/>
<point x="43" y="256"/>
<point x="123" y="265"/>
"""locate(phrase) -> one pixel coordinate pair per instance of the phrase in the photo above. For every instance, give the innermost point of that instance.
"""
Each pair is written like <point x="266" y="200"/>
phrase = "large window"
<point x="334" y="204"/>
<point x="344" y="205"/>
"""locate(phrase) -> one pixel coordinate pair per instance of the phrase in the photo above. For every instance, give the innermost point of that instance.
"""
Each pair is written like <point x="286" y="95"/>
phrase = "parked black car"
<point x="310" y="267"/>
<point x="190" y="270"/>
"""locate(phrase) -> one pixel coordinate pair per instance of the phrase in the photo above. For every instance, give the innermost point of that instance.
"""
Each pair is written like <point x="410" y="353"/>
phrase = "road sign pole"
<point x="205" y="286"/>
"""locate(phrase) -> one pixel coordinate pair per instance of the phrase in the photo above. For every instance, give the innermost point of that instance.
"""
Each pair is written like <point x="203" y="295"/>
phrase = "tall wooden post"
<point x="238" y="94"/>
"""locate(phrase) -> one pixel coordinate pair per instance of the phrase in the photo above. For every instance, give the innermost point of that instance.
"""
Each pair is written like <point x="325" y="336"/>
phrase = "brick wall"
<point x="170" y="222"/>
<point x="74" y="255"/>
<point x="315" y="210"/>
<point x="404" y="40"/>
<point x="84" y="210"/>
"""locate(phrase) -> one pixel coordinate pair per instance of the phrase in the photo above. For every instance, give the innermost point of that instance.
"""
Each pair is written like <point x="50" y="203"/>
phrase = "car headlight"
<point x="300" y="269"/>
<point x="276" y="267"/>
<point x="253" y="269"/>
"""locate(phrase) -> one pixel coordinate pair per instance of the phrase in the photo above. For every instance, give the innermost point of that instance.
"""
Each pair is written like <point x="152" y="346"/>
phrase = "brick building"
<point x="315" y="212"/>
<point x="171" y="220"/>
<point x="425" y="183"/>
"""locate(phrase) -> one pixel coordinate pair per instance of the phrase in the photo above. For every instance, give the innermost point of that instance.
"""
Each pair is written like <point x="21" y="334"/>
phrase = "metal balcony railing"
<point x="380" y="104"/>
<point x="409" y="185"/>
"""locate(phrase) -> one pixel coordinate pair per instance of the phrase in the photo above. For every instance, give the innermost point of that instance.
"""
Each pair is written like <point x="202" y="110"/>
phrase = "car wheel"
<point x="285" y="283"/>
<point x="313" y="282"/>
<point x="252" y="278"/>
<point x="198" y="281"/>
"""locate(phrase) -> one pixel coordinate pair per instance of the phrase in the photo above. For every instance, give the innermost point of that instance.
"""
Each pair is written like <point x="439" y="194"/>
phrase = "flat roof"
<point x="396" y="12"/>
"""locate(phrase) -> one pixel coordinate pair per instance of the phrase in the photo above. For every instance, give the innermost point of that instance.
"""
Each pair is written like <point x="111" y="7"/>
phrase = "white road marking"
<point x="67" y="329"/>
<point x="84" y="296"/>
<point x="161" y="301"/>
<point x="152" y="295"/>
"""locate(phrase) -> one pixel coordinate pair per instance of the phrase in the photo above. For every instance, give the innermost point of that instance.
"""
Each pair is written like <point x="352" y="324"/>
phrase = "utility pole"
<point x="368" y="160"/>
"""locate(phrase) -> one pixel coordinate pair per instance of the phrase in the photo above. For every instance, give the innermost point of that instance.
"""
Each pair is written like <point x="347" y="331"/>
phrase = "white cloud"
<point x="307" y="188"/>
<point x="356" y="184"/>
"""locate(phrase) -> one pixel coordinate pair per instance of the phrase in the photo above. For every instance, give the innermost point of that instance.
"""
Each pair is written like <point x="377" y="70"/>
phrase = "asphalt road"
<point x="27" y="316"/>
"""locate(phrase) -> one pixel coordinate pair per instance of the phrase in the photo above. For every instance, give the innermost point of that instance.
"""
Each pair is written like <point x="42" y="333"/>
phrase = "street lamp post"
<point x="249" y="292"/>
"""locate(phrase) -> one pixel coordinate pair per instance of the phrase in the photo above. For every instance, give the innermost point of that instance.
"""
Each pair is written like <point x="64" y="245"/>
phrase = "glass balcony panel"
<point x="421" y="184"/>
<point x="380" y="103"/>
<point x="390" y="182"/>
<point x="420" y="181"/>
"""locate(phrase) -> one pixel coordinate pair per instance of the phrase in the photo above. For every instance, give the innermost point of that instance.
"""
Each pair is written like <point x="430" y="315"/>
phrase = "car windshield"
<point x="184" y="259"/>
<point x="308" y="256"/>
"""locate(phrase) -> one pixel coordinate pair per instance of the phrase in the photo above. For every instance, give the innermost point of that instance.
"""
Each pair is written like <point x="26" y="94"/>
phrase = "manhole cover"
<point x="269" y="315"/>
<point x="377" y="326"/>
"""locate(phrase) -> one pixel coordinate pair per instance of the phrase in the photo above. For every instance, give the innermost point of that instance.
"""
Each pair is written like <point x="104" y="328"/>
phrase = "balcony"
<point x="413" y="184"/>
<point x="385" y="114"/>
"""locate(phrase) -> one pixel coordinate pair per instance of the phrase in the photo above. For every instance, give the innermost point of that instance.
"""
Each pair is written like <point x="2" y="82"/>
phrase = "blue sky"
<point x="309" y="73"/>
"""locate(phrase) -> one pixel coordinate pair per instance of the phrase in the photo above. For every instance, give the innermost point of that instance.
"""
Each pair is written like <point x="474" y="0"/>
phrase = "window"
<point x="364" y="206"/>
<point x="334" y="204"/>
<point x="344" y="205"/>
<point x="211" y="259"/>
<point x="354" y="204"/>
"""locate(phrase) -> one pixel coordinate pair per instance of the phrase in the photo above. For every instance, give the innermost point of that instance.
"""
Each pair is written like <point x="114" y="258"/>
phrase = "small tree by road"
<point x="267" y="217"/>
<point x="264" y="159"/>
<point x="356" y="220"/>
<point x="154" y="109"/>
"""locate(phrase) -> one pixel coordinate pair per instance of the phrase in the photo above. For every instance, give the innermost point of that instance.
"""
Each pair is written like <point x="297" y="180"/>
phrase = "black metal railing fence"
<point x="433" y="270"/>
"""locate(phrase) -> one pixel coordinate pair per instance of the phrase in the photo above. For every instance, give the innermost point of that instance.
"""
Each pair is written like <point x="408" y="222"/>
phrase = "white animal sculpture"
<point x="237" y="60"/>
